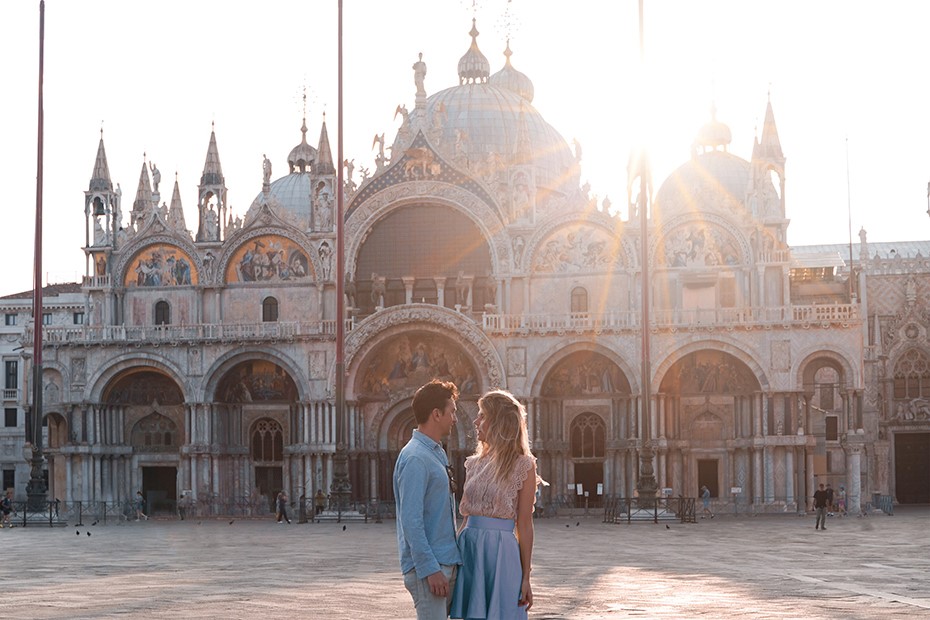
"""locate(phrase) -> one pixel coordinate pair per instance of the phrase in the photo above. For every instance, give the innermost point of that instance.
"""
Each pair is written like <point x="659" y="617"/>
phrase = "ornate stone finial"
<point x="474" y="68"/>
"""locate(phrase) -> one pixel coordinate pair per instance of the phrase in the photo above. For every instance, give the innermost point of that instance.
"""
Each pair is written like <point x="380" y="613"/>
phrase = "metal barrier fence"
<point x="629" y="509"/>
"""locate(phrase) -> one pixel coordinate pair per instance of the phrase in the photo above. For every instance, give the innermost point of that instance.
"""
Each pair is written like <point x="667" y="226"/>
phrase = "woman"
<point x="497" y="503"/>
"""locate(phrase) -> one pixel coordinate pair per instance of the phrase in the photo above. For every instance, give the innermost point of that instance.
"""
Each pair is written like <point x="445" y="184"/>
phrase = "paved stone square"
<point x="728" y="567"/>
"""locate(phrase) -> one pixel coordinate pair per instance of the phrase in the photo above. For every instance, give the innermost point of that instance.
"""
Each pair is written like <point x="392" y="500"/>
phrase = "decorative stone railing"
<point x="800" y="316"/>
<point x="172" y="334"/>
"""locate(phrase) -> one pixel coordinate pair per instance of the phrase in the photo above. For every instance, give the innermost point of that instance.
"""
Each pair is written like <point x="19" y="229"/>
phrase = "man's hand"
<point x="438" y="584"/>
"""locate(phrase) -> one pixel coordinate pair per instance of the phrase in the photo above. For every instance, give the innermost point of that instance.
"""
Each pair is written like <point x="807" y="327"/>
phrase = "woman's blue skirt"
<point x="488" y="582"/>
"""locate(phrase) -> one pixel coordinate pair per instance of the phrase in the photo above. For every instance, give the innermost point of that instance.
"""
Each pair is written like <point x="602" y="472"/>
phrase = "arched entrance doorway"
<point x="588" y="440"/>
<point x="706" y="399"/>
<point x="586" y="398"/>
<point x="267" y="452"/>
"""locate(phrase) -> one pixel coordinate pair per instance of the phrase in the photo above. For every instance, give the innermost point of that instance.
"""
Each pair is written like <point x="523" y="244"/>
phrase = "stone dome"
<point x="289" y="197"/>
<point x="497" y="120"/>
<point x="509" y="78"/>
<point x="711" y="181"/>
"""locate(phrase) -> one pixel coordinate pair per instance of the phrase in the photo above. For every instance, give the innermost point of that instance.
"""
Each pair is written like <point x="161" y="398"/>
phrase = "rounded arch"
<point x="98" y="382"/>
<point x="716" y="344"/>
<point x="268" y="254"/>
<point x="709" y="371"/>
<point x="601" y="243"/>
<point x="155" y="432"/>
<point x="159" y="260"/>
<point x="58" y="434"/>
<point x="814" y="359"/>
<point x="394" y="422"/>
<point x="426" y="319"/>
<point x="223" y="366"/>
<point x="671" y="240"/>
<point x="561" y="351"/>
<point x="407" y="360"/>
<point x="365" y="216"/>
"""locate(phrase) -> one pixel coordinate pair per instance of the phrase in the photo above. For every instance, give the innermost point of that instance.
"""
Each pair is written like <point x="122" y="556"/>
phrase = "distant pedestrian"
<point x="6" y="507"/>
<point x="319" y="502"/>
<point x="820" y="506"/>
<point x="705" y="499"/>
<point x="841" y="501"/>
<point x="140" y="507"/>
<point x="829" y="500"/>
<point x="282" y="507"/>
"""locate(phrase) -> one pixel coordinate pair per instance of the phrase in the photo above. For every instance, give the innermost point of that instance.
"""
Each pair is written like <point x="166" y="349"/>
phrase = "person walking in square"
<point x="830" y="495"/>
<point x="496" y="538"/>
<point x="705" y="499"/>
<point x="140" y="507"/>
<point x="281" y="505"/>
<point x="319" y="502"/>
<point x="820" y="506"/>
<point x="424" y="491"/>
<point x="6" y="507"/>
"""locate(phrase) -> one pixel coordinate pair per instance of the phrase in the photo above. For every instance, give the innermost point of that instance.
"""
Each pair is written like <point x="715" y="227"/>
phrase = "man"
<point x="705" y="499"/>
<point x="820" y="505"/>
<point x="424" y="492"/>
<point x="829" y="500"/>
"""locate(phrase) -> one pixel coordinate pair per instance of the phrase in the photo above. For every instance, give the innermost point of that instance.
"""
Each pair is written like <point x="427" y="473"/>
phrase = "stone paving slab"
<point x="728" y="567"/>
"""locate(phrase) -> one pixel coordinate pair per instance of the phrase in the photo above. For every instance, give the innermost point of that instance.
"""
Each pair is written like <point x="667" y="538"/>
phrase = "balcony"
<point x="188" y="334"/>
<point x="10" y="395"/>
<point x="617" y="322"/>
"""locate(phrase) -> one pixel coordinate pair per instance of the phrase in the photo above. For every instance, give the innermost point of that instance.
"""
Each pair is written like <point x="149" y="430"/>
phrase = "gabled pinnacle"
<point x="175" y="211"/>
<point x="144" y="192"/>
<point x="769" y="146"/>
<point x="100" y="178"/>
<point x="324" y="154"/>
<point x="212" y="170"/>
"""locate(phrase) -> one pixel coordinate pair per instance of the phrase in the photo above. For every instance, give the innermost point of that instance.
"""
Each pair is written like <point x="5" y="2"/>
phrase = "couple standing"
<point x="483" y="569"/>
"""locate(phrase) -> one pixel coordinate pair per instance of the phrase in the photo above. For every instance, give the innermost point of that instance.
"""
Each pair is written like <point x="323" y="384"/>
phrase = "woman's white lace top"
<point x="486" y="496"/>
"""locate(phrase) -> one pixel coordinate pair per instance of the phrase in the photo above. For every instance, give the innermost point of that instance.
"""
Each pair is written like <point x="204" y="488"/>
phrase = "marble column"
<point x="408" y="288"/>
<point x="854" y="448"/>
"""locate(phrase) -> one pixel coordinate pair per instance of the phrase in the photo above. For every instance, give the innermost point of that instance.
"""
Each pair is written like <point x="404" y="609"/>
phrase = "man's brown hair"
<point x="431" y="396"/>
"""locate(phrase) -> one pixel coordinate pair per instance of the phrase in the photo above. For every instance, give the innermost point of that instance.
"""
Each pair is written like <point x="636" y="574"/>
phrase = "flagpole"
<point x="36" y="492"/>
<point x="342" y="488"/>
<point x="646" y="485"/>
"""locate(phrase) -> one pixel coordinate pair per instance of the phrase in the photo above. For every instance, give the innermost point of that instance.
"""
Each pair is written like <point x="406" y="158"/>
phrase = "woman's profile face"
<point x="481" y="424"/>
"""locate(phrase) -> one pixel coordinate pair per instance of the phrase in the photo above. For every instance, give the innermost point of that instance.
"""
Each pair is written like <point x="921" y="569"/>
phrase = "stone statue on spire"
<point x="156" y="177"/>
<point x="419" y="73"/>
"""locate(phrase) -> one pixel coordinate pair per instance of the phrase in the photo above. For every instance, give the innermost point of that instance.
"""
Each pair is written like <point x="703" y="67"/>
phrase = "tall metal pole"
<point x="36" y="492"/>
<point x="342" y="488"/>
<point x="646" y="486"/>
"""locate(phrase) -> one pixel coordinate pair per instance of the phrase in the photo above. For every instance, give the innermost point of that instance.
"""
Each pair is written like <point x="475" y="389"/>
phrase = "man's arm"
<point x="412" y="488"/>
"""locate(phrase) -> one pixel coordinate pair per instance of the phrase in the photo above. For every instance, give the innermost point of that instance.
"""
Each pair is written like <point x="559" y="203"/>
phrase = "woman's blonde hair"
<point x="505" y="438"/>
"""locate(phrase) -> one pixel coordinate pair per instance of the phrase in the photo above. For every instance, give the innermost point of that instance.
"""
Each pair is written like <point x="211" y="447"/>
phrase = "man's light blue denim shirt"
<point x="425" y="508"/>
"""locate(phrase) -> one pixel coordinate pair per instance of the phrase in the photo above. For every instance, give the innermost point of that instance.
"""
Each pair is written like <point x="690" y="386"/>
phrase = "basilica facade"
<point x="203" y="360"/>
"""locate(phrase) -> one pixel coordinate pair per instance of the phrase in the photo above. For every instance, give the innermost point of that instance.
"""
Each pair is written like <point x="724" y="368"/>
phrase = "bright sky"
<point x="157" y="74"/>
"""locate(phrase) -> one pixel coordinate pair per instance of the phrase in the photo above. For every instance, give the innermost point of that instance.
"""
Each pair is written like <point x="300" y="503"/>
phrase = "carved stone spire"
<point x="100" y="177"/>
<point x="324" y="163"/>
<point x="175" y="211"/>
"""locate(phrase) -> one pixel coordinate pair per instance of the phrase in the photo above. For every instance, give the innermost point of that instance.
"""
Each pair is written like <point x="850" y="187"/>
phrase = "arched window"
<point x="912" y="376"/>
<point x="162" y="313"/>
<point x="579" y="300"/>
<point x="588" y="436"/>
<point x="267" y="442"/>
<point x="270" y="310"/>
<point x="155" y="433"/>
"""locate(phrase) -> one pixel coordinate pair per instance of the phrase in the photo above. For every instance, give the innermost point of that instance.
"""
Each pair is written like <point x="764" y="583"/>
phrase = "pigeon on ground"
<point x="667" y="527"/>
<point x="343" y="528"/>
<point x="568" y="525"/>
<point x="88" y="533"/>
<point x="233" y="521"/>
<point x="77" y="533"/>
<point x="577" y="523"/>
